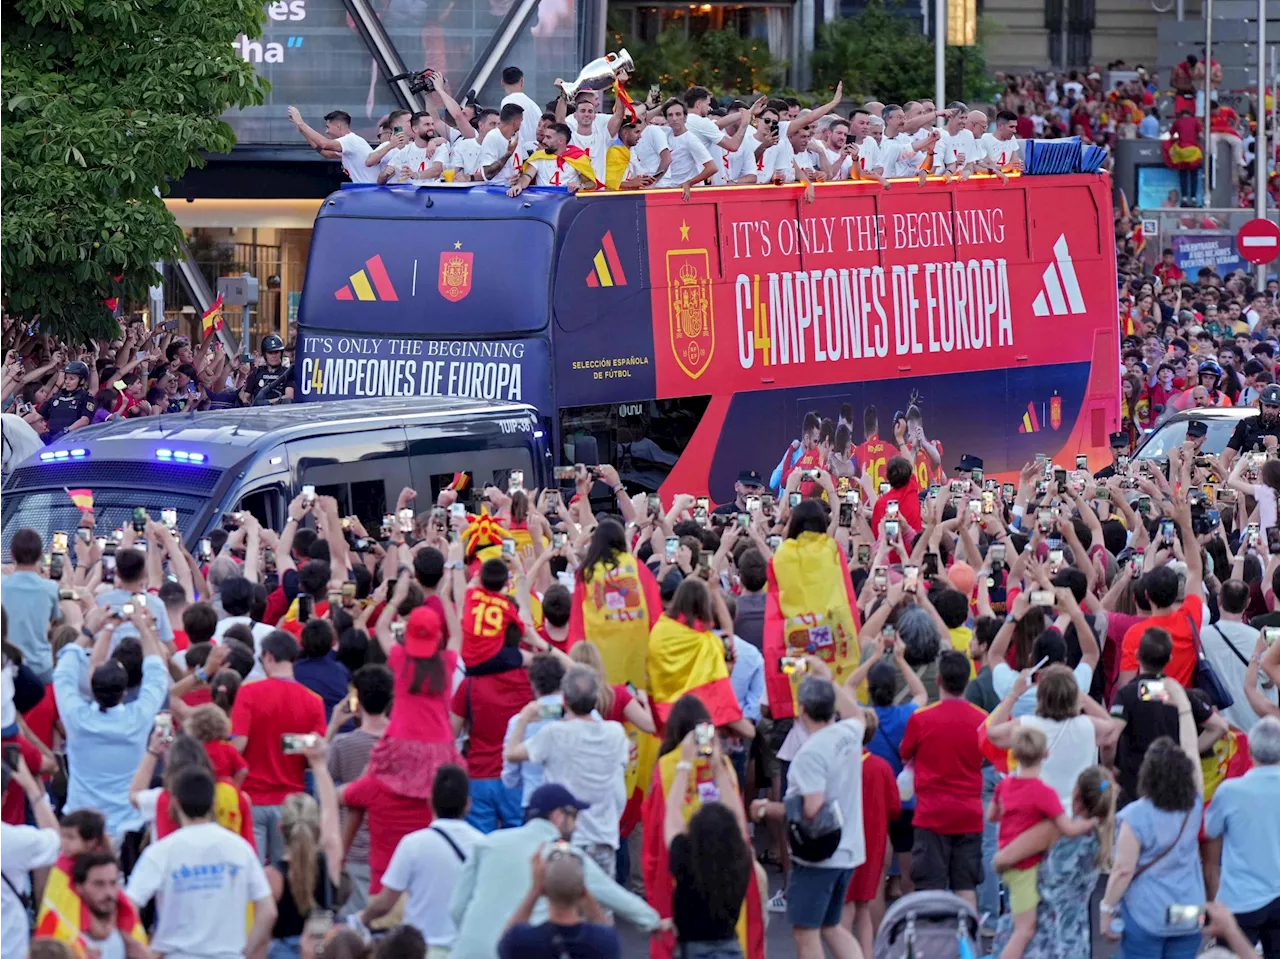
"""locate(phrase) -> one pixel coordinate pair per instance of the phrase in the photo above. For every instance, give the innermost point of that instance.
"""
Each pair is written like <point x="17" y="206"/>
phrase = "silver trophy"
<point x="599" y="74"/>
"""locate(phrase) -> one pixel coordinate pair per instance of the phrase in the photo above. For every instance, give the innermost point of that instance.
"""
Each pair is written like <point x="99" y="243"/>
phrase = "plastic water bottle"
<point x="1116" y="926"/>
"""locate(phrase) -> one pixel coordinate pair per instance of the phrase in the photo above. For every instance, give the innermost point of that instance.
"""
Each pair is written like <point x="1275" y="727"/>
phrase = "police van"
<point x="362" y="452"/>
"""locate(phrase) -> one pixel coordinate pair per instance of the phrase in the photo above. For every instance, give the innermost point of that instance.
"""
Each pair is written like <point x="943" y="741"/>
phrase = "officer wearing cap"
<point x="1256" y="432"/>
<point x="750" y="483"/>
<point x="968" y="463"/>
<point x="72" y="406"/>
<point x="1119" y="448"/>
<point x="273" y="382"/>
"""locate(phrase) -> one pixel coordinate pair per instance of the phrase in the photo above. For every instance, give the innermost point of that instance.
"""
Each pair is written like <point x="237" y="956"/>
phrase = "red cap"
<point x="422" y="633"/>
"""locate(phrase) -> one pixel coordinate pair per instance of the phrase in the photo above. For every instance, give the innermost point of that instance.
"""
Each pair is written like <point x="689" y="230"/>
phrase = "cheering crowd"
<point x="681" y="142"/>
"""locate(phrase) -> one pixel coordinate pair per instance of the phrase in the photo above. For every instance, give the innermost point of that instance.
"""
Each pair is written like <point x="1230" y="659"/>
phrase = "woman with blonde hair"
<point x="305" y="882"/>
<point x="616" y="703"/>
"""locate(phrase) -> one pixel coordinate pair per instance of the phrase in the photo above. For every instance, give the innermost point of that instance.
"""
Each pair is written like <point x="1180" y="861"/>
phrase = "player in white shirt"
<point x="711" y="130"/>
<point x="837" y="151"/>
<point x="652" y="153"/>
<point x="555" y="169"/>
<point x="398" y="135"/>
<point x="464" y="155"/>
<point x="589" y="131"/>
<point x="956" y="150"/>
<point x="500" y="154"/>
<point x="1000" y="145"/>
<point x="338" y="138"/>
<point x="513" y="87"/>
<point x="870" y="166"/>
<point x="746" y="164"/>
<point x="691" y="164"/>
<point x="421" y="162"/>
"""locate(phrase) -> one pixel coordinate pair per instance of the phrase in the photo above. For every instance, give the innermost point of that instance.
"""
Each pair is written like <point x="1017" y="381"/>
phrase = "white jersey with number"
<point x="552" y="173"/>
<point x="1001" y="151"/>
<point x="493" y="149"/>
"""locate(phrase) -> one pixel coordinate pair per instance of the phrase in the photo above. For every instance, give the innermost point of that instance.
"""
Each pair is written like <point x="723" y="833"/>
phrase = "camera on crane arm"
<point x="421" y="82"/>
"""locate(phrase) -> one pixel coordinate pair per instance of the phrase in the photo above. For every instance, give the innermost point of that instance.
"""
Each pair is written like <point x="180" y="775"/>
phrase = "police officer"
<point x="1257" y="432"/>
<point x="71" y="407"/>
<point x="1119" y="448"/>
<point x="270" y="383"/>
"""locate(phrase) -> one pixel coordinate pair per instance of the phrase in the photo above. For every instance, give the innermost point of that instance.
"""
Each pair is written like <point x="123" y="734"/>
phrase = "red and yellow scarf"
<point x="575" y="158"/>
<point x="64" y="917"/>
<point x="687" y="660"/>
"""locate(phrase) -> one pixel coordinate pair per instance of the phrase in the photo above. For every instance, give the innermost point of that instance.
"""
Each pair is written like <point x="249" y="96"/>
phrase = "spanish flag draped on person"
<point x="810" y="606"/>
<point x="685" y="786"/>
<point x="64" y="916"/>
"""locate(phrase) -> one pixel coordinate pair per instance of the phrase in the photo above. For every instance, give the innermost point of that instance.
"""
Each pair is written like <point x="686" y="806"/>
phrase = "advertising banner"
<point x="1214" y="250"/>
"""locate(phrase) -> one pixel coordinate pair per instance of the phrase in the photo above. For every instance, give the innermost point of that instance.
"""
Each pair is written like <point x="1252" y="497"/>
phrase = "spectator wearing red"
<point x="1182" y="620"/>
<point x="395" y="790"/>
<point x="557" y="610"/>
<point x="490" y="620"/>
<point x="300" y="552"/>
<point x="264" y="712"/>
<point x="881" y="805"/>
<point x="903" y="490"/>
<point x="942" y="741"/>
<point x="1166" y="270"/>
<point x="313" y="582"/>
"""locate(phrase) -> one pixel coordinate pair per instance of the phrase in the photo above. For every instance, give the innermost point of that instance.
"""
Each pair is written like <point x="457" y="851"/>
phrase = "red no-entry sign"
<point x="1258" y="241"/>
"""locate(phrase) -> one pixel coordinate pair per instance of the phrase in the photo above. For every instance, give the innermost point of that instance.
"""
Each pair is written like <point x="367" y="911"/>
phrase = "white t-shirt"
<point x="1003" y="676"/>
<point x="647" y="154"/>
<point x="1001" y="151"/>
<point x="354" y="150"/>
<point x="1241" y="637"/>
<point x="464" y="156"/>
<point x="203" y="878"/>
<point x="22" y="848"/>
<point x="706" y="130"/>
<point x="589" y="758"/>
<point x="494" y="148"/>
<point x="841" y="162"/>
<point x="959" y="149"/>
<point x="1073" y="748"/>
<point x="907" y="155"/>
<point x="528" y="132"/>
<point x="778" y="158"/>
<point x="869" y="155"/>
<point x="417" y="159"/>
<point x="1266" y="498"/>
<point x="830" y="762"/>
<point x="595" y="144"/>
<point x="426" y="867"/>
<point x="552" y="173"/>
<point x="688" y="157"/>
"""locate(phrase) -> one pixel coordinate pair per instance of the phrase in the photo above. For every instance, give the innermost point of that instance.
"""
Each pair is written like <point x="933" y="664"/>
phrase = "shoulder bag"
<point x="1204" y="677"/>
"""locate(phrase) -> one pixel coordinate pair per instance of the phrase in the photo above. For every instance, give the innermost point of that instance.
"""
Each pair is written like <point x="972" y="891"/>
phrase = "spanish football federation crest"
<point x="1055" y="411"/>
<point x="455" y="273"/>
<point x="693" y="336"/>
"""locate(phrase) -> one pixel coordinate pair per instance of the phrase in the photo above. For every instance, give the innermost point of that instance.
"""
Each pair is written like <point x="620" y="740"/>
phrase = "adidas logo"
<point x="607" y="267"/>
<point x="1053" y="289"/>
<point x="1030" y="422"/>
<point x="373" y="270"/>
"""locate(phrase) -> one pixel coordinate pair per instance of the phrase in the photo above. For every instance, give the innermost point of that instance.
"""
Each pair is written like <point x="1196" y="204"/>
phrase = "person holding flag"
<point x="694" y="829"/>
<point x="810" y="608"/>
<point x="211" y="319"/>
<point x="558" y="163"/>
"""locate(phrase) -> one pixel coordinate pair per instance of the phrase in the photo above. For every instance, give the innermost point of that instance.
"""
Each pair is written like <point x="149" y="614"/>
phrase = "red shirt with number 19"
<point x="485" y="618"/>
<point x="942" y="739"/>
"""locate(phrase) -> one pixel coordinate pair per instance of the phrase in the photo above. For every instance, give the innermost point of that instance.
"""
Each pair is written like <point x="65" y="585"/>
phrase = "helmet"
<point x="77" y="368"/>
<point x="1210" y="368"/>
<point x="272" y="344"/>
<point x="1270" y="395"/>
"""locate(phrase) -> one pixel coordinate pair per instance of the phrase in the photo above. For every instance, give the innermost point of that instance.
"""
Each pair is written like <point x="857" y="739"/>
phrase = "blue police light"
<point x="538" y="434"/>
<point x="180" y="456"/>
<point x="78" y="454"/>
<point x="61" y="455"/>
<point x="164" y="454"/>
<point x="46" y="457"/>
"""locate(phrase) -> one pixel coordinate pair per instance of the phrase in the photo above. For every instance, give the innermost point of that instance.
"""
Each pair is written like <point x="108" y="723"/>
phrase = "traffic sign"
<point x="1259" y="241"/>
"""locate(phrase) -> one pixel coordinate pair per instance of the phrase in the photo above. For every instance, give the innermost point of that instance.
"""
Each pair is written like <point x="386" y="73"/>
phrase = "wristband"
<point x="202" y="674"/>
<point x="618" y="489"/>
<point x="684" y="766"/>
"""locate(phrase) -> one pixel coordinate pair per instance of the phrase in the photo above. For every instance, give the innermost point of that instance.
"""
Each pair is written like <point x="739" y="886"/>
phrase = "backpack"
<point x="928" y="925"/>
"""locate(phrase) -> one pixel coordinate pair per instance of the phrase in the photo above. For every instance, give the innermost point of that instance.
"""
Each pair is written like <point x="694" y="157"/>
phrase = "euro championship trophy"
<point x="599" y="74"/>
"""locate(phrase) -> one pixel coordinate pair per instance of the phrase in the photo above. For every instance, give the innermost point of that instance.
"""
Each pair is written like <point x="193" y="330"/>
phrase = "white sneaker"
<point x="778" y="902"/>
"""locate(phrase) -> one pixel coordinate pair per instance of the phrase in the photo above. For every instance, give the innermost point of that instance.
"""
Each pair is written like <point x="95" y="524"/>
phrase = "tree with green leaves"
<point x="104" y="102"/>
<point x="879" y="53"/>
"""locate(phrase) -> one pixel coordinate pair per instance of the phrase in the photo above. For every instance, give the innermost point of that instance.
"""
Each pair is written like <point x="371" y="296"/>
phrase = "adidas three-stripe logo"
<point x="1051" y="299"/>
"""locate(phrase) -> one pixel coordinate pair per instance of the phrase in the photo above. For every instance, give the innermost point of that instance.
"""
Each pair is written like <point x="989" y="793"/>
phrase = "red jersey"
<point x="872" y="457"/>
<point x="926" y="473"/>
<point x="485" y="618"/>
<point x="1168" y="273"/>
<point x="1186" y="130"/>
<point x="1024" y="802"/>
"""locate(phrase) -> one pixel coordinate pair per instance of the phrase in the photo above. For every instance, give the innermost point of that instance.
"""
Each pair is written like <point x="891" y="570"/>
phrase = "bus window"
<point x="267" y="506"/>
<point x="363" y="472"/>
<point x="434" y="469"/>
<point x="643" y="440"/>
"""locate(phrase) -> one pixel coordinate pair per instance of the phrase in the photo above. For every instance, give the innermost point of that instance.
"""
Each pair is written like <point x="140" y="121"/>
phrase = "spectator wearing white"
<point x="711" y="130"/>
<point x="427" y="863"/>
<point x="1228" y="644"/>
<point x="546" y="673"/>
<point x="691" y="164"/>
<point x="203" y="878"/>
<point x="549" y="166"/>
<point x="464" y="157"/>
<point x="874" y="107"/>
<point x="584" y="753"/>
<point x="496" y="877"/>
<point x="824" y="784"/>
<point x="339" y="140"/>
<point x="513" y="87"/>
<point x="421" y="161"/>
<point x="106" y="736"/>
<point x="500" y="155"/>
<point x="589" y="131"/>
<point x="22" y="849"/>
<point x="1242" y="813"/>
<point x="30" y="603"/>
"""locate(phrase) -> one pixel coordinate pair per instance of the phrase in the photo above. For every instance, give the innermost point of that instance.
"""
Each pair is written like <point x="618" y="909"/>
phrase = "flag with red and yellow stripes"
<point x="63" y="916"/>
<point x="682" y="660"/>
<point x="211" y="319"/>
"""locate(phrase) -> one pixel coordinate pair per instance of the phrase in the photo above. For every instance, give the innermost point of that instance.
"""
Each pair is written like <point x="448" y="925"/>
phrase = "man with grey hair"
<point x="824" y="794"/>
<point x="584" y="753"/>
<point x="1243" y="816"/>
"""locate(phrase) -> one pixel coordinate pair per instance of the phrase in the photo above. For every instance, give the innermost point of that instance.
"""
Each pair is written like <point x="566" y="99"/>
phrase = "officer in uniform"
<point x="72" y="406"/>
<point x="1259" y="432"/>
<point x="1119" y="448"/>
<point x="270" y="383"/>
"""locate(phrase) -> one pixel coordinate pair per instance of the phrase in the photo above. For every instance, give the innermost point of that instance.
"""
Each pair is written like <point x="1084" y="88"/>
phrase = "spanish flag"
<point x="657" y="873"/>
<point x="574" y="157"/>
<point x="616" y="162"/>
<point x="83" y="498"/>
<point x="810" y="610"/>
<point x="616" y="609"/>
<point x="686" y="660"/>
<point x="231" y="811"/>
<point x="64" y="917"/>
<point x="211" y="319"/>
<point x="627" y="104"/>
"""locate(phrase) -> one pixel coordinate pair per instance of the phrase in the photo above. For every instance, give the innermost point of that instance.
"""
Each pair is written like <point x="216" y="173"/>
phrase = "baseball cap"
<point x="1197" y="428"/>
<point x="422" y="633"/>
<point x="1119" y="439"/>
<point x="549" y="797"/>
<point x="750" y="478"/>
